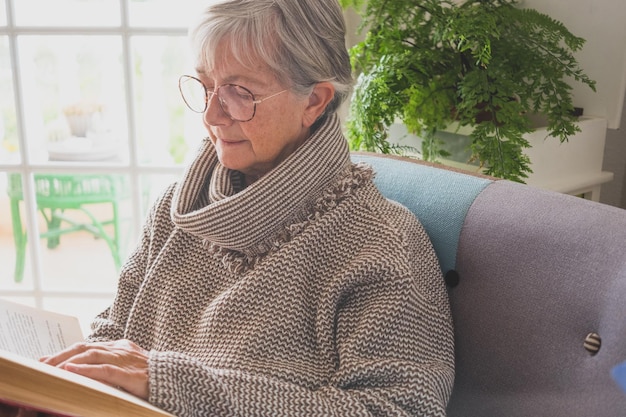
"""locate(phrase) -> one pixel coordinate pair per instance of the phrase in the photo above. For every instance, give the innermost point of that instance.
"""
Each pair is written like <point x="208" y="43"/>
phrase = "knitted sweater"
<point x="305" y="294"/>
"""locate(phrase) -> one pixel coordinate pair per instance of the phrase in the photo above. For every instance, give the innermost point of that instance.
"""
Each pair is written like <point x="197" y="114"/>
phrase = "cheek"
<point x="275" y="129"/>
<point x="261" y="136"/>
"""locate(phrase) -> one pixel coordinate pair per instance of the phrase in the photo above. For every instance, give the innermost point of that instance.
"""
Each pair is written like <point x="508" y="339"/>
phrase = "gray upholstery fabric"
<point x="538" y="272"/>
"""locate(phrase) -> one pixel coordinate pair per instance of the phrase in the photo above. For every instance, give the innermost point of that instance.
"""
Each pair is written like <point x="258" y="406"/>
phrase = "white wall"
<point x="614" y="192"/>
<point x="602" y="23"/>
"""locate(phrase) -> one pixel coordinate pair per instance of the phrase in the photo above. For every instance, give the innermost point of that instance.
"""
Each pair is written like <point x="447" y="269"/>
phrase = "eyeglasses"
<point x="236" y="101"/>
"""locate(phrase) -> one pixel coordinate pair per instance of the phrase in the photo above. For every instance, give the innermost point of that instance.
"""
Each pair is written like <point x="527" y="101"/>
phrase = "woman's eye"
<point x="243" y="93"/>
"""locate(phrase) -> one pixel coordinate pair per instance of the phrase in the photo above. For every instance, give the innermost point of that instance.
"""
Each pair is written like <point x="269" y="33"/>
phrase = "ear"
<point x="321" y="95"/>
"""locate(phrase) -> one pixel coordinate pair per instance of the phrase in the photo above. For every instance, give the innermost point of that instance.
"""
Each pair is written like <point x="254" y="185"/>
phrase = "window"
<point x="92" y="128"/>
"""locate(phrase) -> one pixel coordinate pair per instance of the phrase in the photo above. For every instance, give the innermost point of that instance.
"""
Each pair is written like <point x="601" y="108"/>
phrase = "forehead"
<point x="227" y="61"/>
<point x="227" y="57"/>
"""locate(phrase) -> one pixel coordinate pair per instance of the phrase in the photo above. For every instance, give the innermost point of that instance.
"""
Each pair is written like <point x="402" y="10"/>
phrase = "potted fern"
<point x="486" y="64"/>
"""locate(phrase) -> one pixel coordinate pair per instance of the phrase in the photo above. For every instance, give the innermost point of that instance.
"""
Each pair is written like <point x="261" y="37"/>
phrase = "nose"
<point x="214" y="115"/>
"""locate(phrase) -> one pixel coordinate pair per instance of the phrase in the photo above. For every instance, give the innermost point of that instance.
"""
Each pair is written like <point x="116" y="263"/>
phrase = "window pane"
<point x="166" y="131"/>
<point x="9" y="146"/>
<point x="67" y="12"/>
<point x="84" y="223"/>
<point x="152" y="187"/>
<point x="3" y="15"/>
<point x="74" y="92"/>
<point x="72" y="81"/>
<point x="14" y="248"/>
<point x="163" y="13"/>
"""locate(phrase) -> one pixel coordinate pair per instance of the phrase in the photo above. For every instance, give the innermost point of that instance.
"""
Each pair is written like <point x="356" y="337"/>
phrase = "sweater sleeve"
<point x="187" y="388"/>
<point x="393" y="344"/>
<point x="364" y="385"/>
<point x="111" y="323"/>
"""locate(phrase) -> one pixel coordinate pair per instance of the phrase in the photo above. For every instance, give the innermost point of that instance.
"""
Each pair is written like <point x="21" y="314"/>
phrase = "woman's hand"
<point x="120" y="363"/>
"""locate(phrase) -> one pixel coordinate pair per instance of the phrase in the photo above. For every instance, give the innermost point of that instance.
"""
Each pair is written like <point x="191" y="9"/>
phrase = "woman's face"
<point x="279" y="126"/>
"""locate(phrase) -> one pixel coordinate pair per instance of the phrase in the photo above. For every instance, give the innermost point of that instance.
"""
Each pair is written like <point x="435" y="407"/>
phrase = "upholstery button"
<point x="592" y="344"/>
<point x="452" y="278"/>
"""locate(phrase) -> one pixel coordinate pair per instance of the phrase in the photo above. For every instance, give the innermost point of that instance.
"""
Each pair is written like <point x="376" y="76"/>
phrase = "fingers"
<point x="100" y="352"/>
<point x="64" y="355"/>
<point x="72" y="351"/>
<point x="131" y="379"/>
<point x="119" y="363"/>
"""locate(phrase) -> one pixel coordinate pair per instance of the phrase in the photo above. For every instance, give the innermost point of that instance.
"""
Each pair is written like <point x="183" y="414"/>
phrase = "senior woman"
<point x="274" y="279"/>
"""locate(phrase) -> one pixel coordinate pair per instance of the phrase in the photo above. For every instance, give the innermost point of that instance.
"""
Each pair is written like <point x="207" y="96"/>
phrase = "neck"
<point x="249" y="179"/>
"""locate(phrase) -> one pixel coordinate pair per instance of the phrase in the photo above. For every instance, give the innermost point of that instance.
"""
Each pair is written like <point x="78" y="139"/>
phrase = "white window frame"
<point x="133" y="169"/>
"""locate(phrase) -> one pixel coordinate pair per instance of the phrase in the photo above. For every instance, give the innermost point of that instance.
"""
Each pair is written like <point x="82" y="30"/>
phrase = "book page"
<point x="34" y="333"/>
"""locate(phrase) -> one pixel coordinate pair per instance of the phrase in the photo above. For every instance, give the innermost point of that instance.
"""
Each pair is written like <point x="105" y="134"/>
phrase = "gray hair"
<point x="302" y="41"/>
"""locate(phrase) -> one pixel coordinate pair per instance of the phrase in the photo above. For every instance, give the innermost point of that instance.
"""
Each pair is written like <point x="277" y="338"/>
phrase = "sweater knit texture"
<point x="306" y="293"/>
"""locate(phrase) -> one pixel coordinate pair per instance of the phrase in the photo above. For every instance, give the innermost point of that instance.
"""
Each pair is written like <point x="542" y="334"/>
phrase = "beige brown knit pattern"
<point x="305" y="294"/>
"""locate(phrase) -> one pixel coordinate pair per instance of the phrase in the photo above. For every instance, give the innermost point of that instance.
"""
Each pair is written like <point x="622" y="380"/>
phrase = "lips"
<point x="216" y="137"/>
<point x="230" y="141"/>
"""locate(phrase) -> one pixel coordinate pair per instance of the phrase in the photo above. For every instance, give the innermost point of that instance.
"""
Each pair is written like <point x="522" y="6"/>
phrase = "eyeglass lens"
<point x="236" y="101"/>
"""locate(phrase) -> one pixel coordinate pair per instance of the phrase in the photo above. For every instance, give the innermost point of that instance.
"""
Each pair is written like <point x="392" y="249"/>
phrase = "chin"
<point x="233" y="162"/>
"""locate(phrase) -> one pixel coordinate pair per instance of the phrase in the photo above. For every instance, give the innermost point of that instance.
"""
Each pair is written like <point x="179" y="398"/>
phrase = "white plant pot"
<point x="79" y="123"/>
<point x="572" y="167"/>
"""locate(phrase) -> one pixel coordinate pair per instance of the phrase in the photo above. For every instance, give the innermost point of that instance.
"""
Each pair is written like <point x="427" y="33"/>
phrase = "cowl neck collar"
<point x="206" y="204"/>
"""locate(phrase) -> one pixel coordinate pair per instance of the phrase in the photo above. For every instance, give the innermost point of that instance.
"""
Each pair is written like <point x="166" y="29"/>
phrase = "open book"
<point x="26" y="334"/>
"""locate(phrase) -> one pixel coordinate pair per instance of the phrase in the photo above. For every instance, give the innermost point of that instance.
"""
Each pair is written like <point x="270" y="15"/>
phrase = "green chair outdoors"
<point x="57" y="195"/>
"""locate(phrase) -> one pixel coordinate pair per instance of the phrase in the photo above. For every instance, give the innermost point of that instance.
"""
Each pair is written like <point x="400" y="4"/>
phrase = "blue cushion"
<point x="439" y="198"/>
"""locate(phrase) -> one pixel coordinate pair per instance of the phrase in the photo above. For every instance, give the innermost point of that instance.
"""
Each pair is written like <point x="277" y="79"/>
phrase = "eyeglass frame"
<point x="208" y="98"/>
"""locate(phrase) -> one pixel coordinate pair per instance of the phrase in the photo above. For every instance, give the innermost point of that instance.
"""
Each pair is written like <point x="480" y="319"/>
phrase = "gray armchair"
<point x="537" y="285"/>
